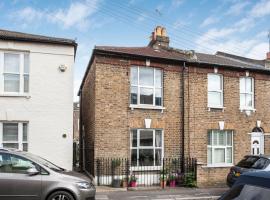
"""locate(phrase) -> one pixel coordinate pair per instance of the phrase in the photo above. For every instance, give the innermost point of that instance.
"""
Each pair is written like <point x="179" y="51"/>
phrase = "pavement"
<point x="158" y="194"/>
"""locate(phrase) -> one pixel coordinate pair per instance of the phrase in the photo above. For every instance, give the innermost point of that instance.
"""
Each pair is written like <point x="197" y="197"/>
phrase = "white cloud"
<point x="261" y="9"/>
<point x="258" y="51"/>
<point x="238" y="8"/>
<point x="177" y="3"/>
<point x="209" y="20"/>
<point x="29" y="14"/>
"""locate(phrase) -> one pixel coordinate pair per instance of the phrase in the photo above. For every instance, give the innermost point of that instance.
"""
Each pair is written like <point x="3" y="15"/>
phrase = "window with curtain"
<point x="220" y="147"/>
<point x="215" y="90"/>
<point x="15" y="68"/>
<point x="246" y="93"/>
<point x="146" y="147"/>
<point x="14" y="135"/>
<point x="146" y="86"/>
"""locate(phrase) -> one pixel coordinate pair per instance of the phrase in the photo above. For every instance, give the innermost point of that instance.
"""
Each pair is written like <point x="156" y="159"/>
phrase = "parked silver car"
<point x="24" y="176"/>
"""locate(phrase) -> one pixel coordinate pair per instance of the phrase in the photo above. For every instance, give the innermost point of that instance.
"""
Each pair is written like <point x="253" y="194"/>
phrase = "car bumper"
<point x="231" y="180"/>
<point x="87" y="194"/>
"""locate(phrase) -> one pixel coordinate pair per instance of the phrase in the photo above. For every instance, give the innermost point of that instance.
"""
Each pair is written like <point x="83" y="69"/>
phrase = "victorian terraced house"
<point x="147" y="103"/>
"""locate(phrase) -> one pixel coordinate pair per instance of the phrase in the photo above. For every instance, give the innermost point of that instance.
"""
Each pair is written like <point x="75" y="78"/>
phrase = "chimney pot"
<point x="159" y="38"/>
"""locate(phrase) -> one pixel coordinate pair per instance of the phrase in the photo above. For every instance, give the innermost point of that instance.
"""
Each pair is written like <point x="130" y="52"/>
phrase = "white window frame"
<point x="21" y="74"/>
<point x="221" y="106"/>
<point x="252" y="107"/>
<point x="155" y="167"/>
<point x="213" y="147"/>
<point x="154" y="87"/>
<point x="20" y="141"/>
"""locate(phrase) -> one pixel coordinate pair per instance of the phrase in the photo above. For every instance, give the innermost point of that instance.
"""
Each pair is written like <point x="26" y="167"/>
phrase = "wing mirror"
<point x="32" y="171"/>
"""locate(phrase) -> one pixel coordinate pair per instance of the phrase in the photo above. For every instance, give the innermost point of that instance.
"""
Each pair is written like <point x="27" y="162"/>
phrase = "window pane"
<point x="134" y="95"/>
<point x="146" y="96"/>
<point x="134" y="75"/>
<point x="134" y="157"/>
<point x="134" y="138"/>
<point x="209" y="155"/>
<point x="11" y="145"/>
<point x="222" y="138"/>
<point x="209" y="138"/>
<point x="11" y="63"/>
<point x="214" y="99"/>
<point x="248" y="84"/>
<point x="146" y="76"/>
<point x="158" y="142"/>
<point x="21" y="165"/>
<point x="25" y="132"/>
<point x="10" y="132"/>
<point x="158" y="98"/>
<point x="158" y="157"/>
<point x="146" y="157"/>
<point x="215" y="138"/>
<point x="11" y="83"/>
<point x="229" y="155"/>
<point x="214" y="82"/>
<point x="242" y="100"/>
<point x="26" y="63"/>
<point x="158" y="78"/>
<point x="25" y="147"/>
<point x="229" y="138"/>
<point x="248" y="100"/>
<point x="26" y="83"/>
<point x="146" y="138"/>
<point x="219" y="155"/>
<point x="242" y="85"/>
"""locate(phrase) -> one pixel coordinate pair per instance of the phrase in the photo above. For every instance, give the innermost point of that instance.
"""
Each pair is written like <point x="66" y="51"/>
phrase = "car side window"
<point x="14" y="164"/>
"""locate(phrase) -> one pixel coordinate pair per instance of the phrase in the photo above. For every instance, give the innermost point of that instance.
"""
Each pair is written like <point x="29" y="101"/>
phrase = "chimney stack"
<point x="159" y="38"/>
<point x="267" y="60"/>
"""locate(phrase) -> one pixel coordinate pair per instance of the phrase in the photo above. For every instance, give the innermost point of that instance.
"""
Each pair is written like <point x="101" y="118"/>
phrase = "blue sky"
<point x="234" y="26"/>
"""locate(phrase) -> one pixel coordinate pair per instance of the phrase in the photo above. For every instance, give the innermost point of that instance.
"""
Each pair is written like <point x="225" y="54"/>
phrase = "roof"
<point x="220" y="59"/>
<point x="19" y="36"/>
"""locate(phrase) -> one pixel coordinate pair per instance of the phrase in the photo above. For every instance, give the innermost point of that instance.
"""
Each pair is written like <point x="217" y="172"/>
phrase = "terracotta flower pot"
<point x="124" y="184"/>
<point x="163" y="184"/>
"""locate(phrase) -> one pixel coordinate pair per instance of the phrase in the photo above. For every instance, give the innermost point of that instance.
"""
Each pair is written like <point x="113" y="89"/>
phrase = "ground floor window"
<point x="146" y="147"/>
<point x="220" y="147"/>
<point x="14" y="135"/>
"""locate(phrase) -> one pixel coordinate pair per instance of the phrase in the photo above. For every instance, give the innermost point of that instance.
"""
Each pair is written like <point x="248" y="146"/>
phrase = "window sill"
<point x="147" y="107"/>
<point x="146" y="168"/>
<point x="16" y="95"/>
<point x="247" y="109"/>
<point x="218" y="166"/>
<point x="216" y="108"/>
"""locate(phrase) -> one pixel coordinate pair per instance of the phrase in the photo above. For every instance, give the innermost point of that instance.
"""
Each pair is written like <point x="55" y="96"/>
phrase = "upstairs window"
<point x="14" y="68"/>
<point x="246" y="93"/>
<point x="146" y="86"/>
<point x="215" y="91"/>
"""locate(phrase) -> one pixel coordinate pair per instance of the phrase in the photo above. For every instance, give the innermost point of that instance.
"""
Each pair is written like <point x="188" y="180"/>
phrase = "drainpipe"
<point x="183" y="116"/>
<point x="81" y="135"/>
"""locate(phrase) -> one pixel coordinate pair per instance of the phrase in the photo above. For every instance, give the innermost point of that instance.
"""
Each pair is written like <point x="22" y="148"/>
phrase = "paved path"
<point x="177" y="194"/>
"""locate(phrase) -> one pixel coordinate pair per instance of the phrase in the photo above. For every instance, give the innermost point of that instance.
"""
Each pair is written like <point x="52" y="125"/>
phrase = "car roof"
<point x="260" y="178"/>
<point x="261" y="155"/>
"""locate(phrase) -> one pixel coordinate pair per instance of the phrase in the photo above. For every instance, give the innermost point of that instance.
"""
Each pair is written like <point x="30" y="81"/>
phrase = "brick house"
<point x="158" y="101"/>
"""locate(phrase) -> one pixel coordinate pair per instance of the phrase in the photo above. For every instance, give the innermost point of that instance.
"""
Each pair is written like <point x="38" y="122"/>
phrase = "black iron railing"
<point x="173" y="172"/>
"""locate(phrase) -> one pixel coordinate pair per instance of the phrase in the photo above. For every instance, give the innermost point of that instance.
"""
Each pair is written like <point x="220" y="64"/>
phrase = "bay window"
<point x="146" y="147"/>
<point x="220" y="148"/>
<point x="14" y="73"/>
<point x="246" y="93"/>
<point x="14" y="135"/>
<point x="215" y="91"/>
<point x="146" y="86"/>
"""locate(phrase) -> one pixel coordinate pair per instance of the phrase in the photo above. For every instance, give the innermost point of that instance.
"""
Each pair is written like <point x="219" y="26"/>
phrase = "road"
<point x="177" y="194"/>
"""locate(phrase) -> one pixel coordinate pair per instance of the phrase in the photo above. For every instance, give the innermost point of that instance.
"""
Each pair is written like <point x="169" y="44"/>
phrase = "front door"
<point x="257" y="143"/>
<point x="15" y="182"/>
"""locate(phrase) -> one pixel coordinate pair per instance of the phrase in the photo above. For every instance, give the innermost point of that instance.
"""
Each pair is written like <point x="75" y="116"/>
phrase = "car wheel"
<point x="60" y="195"/>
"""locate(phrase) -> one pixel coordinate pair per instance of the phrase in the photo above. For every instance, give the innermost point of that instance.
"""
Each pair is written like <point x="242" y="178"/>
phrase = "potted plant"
<point x="133" y="181"/>
<point x="116" y="182"/>
<point x="172" y="180"/>
<point x="125" y="182"/>
<point x="163" y="178"/>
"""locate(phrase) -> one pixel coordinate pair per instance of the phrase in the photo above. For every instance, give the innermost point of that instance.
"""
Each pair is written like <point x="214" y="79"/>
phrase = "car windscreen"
<point x="248" y="161"/>
<point x="44" y="162"/>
